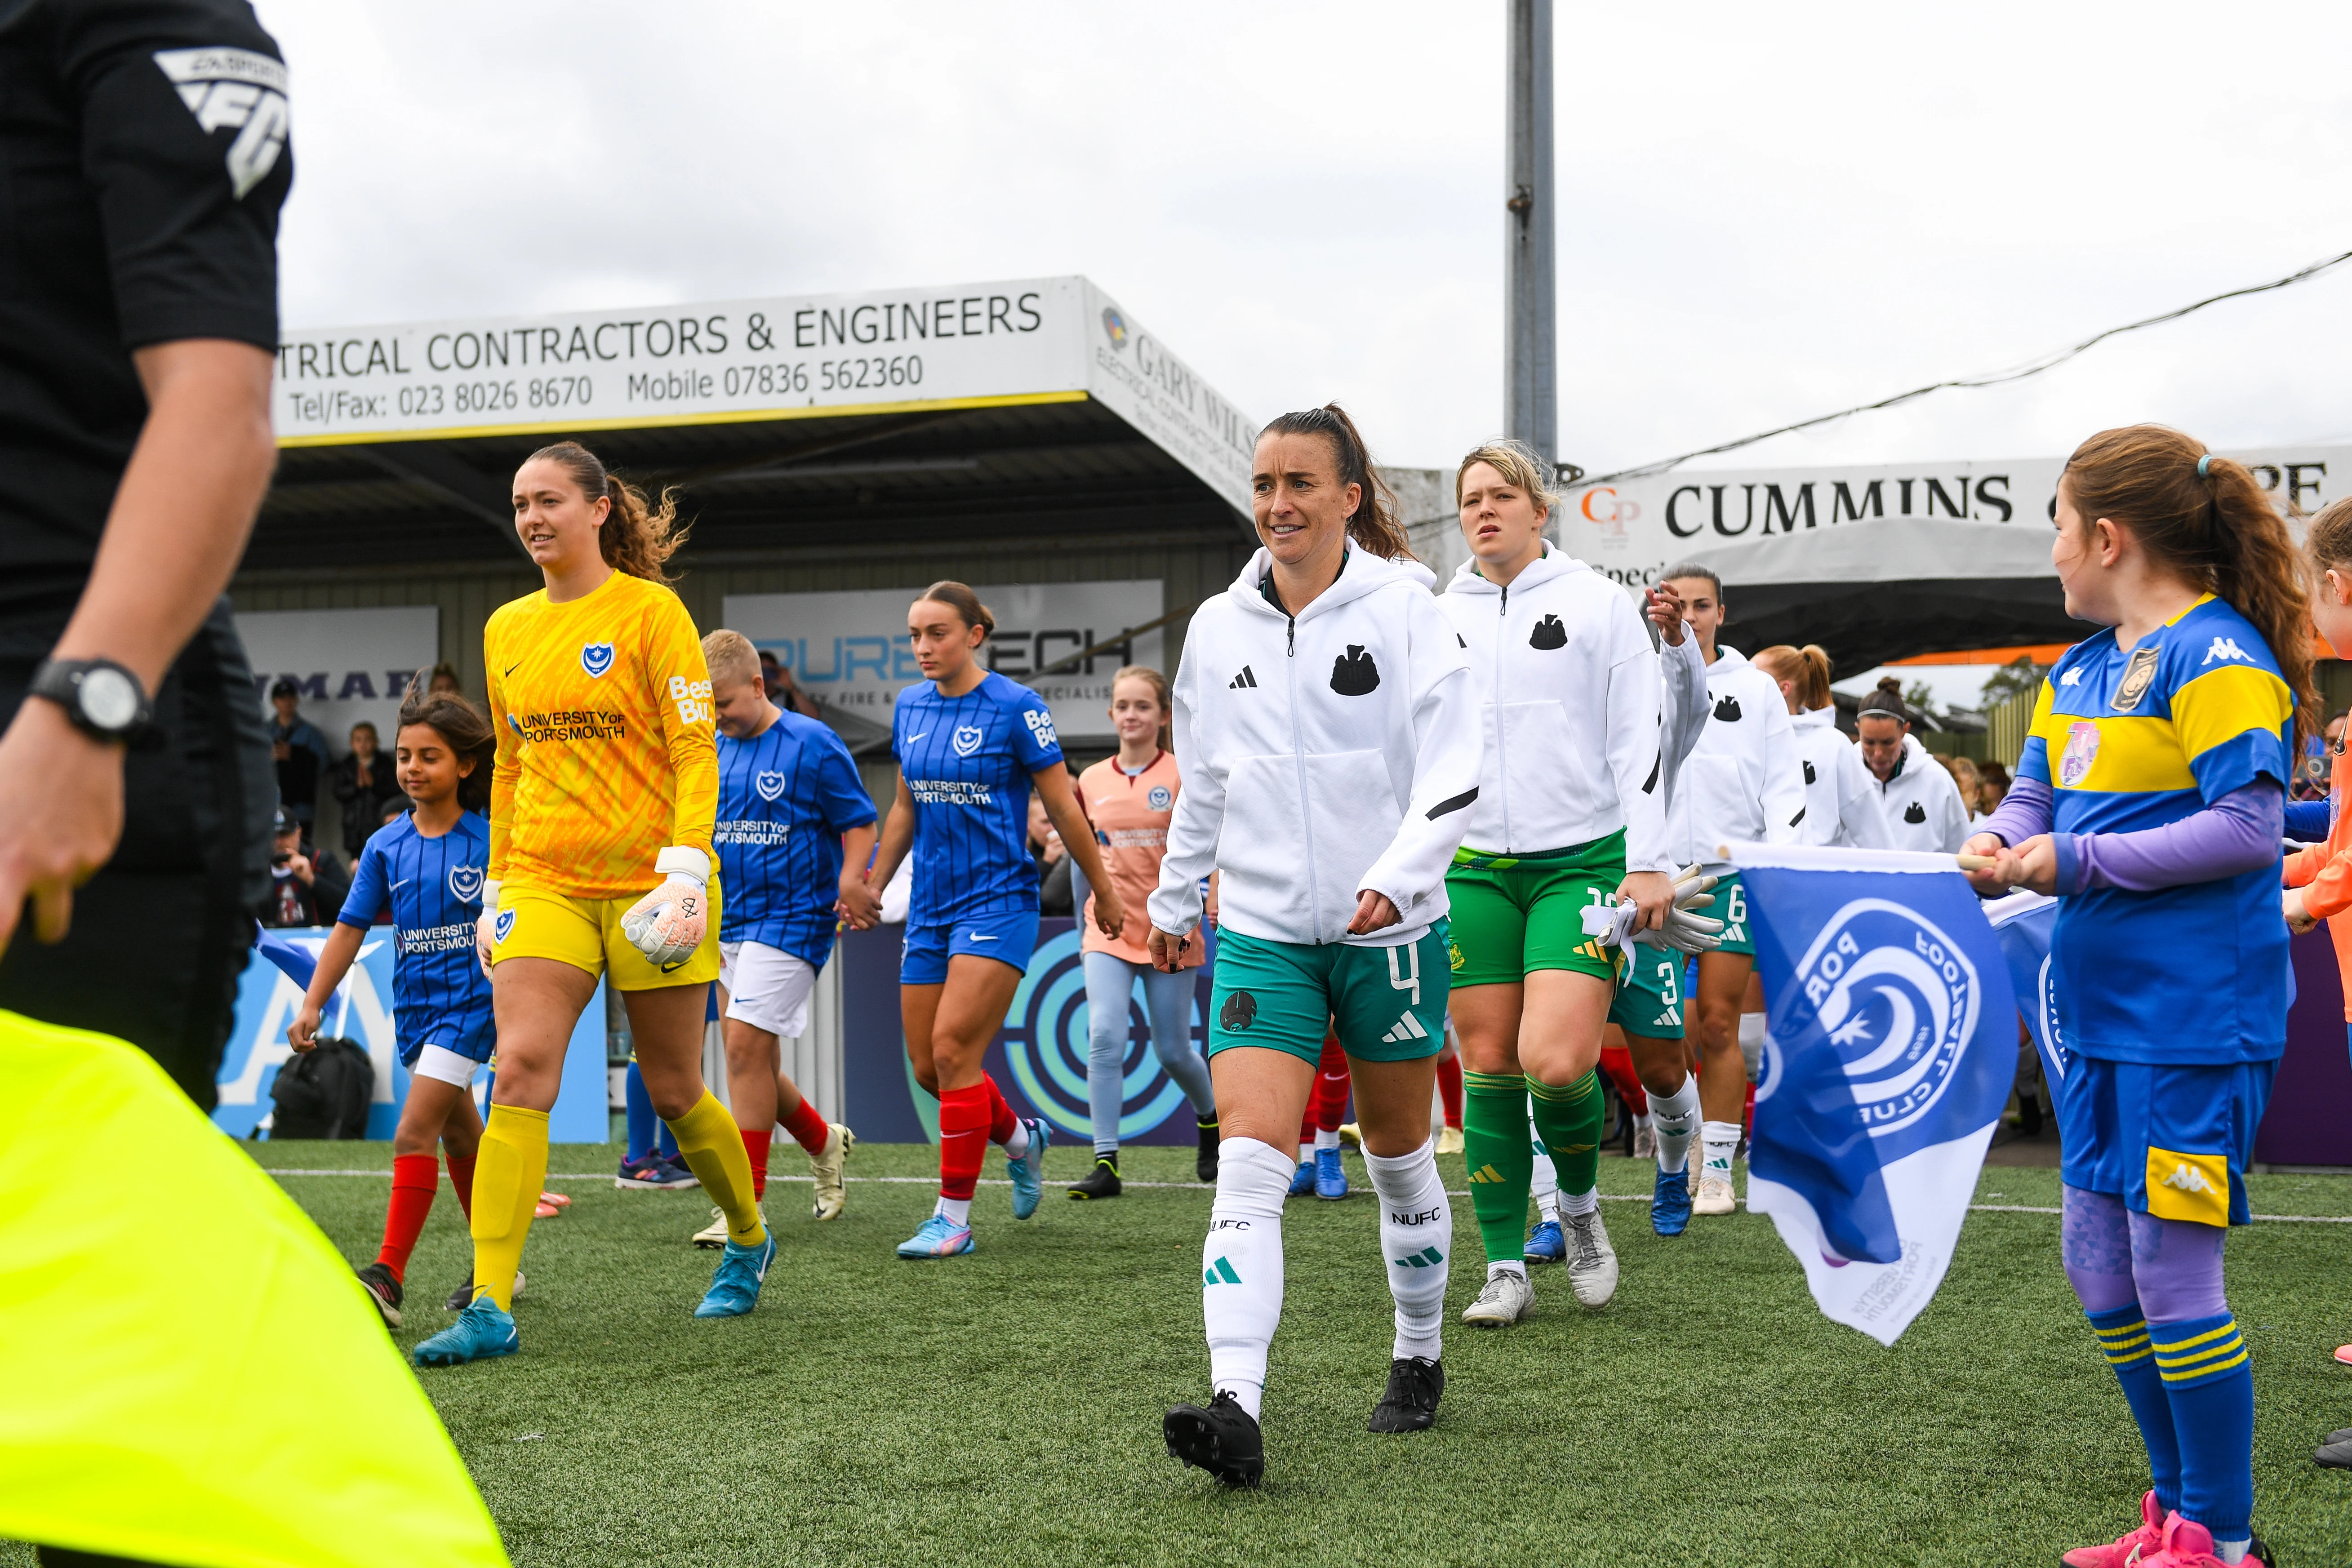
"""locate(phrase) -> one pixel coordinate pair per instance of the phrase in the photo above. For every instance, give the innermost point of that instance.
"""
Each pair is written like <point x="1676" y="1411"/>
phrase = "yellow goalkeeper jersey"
<point x="606" y="752"/>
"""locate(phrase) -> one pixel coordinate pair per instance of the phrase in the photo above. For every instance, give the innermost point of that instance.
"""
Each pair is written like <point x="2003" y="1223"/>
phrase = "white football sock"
<point x="1675" y="1116"/>
<point x="1543" y="1184"/>
<point x="1579" y="1203"/>
<point x="1417" y="1243"/>
<point x="1717" y="1141"/>
<point x="1017" y="1145"/>
<point x="958" y="1210"/>
<point x="1241" y="1266"/>
<point x="1751" y="1043"/>
<point x="1508" y="1265"/>
<point x="1641" y="1122"/>
<point x="2233" y="1550"/>
<point x="1326" y="1137"/>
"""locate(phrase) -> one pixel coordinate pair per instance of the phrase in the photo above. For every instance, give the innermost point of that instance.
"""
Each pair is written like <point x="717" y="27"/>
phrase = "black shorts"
<point x="161" y="934"/>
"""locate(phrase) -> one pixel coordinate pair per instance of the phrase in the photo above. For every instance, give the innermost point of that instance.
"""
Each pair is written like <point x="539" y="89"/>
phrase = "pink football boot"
<point x="2132" y="1548"/>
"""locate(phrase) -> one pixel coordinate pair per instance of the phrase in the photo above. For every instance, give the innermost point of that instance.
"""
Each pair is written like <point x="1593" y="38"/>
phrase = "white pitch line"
<point x="1201" y="1187"/>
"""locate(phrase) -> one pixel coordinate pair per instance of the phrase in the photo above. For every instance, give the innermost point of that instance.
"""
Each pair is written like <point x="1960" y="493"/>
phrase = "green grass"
<point x="1005" y="1407"/>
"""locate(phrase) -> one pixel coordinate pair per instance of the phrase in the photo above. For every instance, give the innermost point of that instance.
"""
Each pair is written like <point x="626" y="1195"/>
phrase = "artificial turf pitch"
<point x="1004" y="1407"/>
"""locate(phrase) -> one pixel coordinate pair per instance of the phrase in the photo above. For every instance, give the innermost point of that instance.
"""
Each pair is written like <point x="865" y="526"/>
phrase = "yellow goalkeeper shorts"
<point x="586" y="934"/>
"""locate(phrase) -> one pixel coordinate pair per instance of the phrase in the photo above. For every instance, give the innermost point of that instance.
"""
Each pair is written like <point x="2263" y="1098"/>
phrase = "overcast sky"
<point x="1767" y="212"/>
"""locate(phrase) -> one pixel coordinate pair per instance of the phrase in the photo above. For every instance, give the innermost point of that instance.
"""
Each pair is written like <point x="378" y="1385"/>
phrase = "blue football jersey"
<point x="2128" y="742"/>
<point x="967" y="761"/>
<point x="785" y="798"/>
<point x="434" y="889"/>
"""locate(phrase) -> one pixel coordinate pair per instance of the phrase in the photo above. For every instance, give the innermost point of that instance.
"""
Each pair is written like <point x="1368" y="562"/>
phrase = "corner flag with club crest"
<point x="2024" y="924"/>
<point x="1889" y="1051"/>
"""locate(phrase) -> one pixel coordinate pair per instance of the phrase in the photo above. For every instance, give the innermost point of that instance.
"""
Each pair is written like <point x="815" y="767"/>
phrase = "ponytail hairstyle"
<point x="1159" y="684"/>
<point x="964" y="603"/>
<point x="1519" y="468"/>
<point x="1808" y="667"/>
<point x="2207" y="520"/>
<point x="466" y="731"/>
<point x="1887" y="701"/>
<point x="638" y="536"/>
<point x="1373" y="525"/>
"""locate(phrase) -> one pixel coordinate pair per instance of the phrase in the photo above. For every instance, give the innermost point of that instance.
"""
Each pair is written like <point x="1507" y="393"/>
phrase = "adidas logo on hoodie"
<point x="1242" y="681"/>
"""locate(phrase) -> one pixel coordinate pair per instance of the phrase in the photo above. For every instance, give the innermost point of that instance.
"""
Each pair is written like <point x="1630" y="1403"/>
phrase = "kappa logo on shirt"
<point x="2072" y="677"/>
<point x="466" y="884"/>
<point x="226" y="88"/>
<point x="2224" y="648"/>
<point x="966" y="738"/>
<point x="2187" y="1178"/>
<point x="595" y="658"/>
<point x="769" y="785"/>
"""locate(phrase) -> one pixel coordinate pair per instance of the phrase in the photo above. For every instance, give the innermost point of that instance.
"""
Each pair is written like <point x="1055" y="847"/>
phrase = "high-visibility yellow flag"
<point x="189" y="1374"/>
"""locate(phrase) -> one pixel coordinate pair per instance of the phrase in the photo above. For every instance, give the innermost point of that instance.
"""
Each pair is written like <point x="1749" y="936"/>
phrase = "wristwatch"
<point x="103" y="700"/>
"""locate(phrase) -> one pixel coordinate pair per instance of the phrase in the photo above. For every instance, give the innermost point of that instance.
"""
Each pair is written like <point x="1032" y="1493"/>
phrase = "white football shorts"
<point x="767" y="987"/>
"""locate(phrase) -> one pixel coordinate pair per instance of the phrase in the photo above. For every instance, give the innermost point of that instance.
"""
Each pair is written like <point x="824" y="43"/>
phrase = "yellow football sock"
<point x="712" y="1147"/>
<point x="507" y="1174"/>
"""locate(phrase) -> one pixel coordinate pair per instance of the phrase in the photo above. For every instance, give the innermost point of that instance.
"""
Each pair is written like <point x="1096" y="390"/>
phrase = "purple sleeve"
<point x="2023" y="813"/>
<point x="2237" y="833"/>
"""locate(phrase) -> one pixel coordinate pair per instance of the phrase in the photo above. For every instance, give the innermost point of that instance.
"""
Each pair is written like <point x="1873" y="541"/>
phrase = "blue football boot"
<point x="1670" y="1204"/>
<point x="480" y="1333"/>
<point x="1331" y="1178"/>
<point x="1028" y="1172"/>
<point x="939" y="1237"/>
<point x="1302" y="1179"/>
<point x="735" y="1288"/>
<point x="1545" y="1243"/>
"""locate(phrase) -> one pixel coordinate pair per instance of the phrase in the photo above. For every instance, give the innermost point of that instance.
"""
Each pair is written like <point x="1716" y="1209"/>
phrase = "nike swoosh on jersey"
<point x="403" y="881"/>
<point x="916" y="736"/>
<point x="975" y="936"/>
<point x="511" y="668"/>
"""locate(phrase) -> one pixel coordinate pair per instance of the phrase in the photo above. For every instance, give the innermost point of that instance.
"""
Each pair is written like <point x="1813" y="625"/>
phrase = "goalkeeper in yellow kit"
<point x="601" y="807"/>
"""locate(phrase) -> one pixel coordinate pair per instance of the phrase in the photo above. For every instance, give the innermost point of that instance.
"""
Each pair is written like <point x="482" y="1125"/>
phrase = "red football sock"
<point x="1748" y="1113"/>
<point x="414" y="1179"/>
<point x="461" y="1176"/>
<point x="1001" y="1119"/>
<point x="963" y="1138"/>
<point x="755" y="1148"/>
<point x="1617" y="1061"/>
<point x="1449" y="1089"/>
<point x="807" y="1128"/>
<point x="1331" y="1085"/>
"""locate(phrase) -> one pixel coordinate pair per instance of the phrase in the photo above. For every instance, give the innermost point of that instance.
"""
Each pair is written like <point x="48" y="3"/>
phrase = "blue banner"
<point x="2024" y="924"/>
<point x="362" y="1011"/>
<point x="1891" y="1043"/>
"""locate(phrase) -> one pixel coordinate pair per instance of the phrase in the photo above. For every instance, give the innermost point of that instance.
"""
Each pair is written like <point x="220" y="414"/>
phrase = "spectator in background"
<point x="1992" y="778"/>
<point x="306" y="888"/>
<point x="299" y="750"/>
<point x="363" y="782"/>
<point x="1054" y="896"/>
<point x="1971" y="783"/>
<point x="444" y="678"/>
<point x="782" y="689"/>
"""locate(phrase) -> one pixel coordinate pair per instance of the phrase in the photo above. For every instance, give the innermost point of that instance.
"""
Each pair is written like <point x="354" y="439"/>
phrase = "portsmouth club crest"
<point x="1895" y="999"/>
<point x="770" y="784"/>
<point x="595" y="658"/>
<point x="966" y="739"/>
<point x="1160" y="798"/>
<point x="502" y="924"/>
<point x="466" y="884"/>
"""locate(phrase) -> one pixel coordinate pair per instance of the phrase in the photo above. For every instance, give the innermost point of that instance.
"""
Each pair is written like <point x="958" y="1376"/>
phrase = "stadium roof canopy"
<point x="1024" y="409"/>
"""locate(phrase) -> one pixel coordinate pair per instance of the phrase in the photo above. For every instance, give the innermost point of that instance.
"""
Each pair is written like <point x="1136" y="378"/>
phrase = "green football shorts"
<point x="1513" y="914"/>
<point x="1388" y="1004"/>
<point x="1730" y="906"/>
<point x="1649" y="1001"/>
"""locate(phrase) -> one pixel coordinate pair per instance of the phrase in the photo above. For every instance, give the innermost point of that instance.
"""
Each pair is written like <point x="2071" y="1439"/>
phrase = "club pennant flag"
<point x="2023" y="923"/>
<point x="1890" y="1047"/>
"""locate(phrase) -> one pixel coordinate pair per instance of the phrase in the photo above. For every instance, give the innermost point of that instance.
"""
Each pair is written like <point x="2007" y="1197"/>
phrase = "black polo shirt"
<point x="143" y="160"/>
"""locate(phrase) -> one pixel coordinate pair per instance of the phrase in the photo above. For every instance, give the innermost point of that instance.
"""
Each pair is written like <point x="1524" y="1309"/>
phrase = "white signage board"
<point x="850" y="650"/>
<point x="1631" y="529"/>
<point x="350" y="664"/>
<point x="1039" y="339"/>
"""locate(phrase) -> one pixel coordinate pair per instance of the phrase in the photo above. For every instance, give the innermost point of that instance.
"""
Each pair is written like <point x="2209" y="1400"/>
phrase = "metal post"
<point x="1530" y="345"/>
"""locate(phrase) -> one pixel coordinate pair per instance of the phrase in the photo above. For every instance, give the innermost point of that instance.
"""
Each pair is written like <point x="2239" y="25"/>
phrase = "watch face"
<point x="108" y="700"/>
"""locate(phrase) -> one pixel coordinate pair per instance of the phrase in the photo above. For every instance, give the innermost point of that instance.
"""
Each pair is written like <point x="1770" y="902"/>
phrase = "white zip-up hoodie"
<point x="1742" y="781"/>
<point x="1569" y="702"/>
<point x="1322" y="756"/>
<point x="1921" y="804"/>
<point x="1683" y="712"/>
<point x="1841" y="797"/>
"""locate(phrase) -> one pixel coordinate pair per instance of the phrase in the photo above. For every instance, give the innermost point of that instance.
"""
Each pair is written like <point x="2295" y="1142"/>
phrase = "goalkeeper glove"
<point x="1686" y="931"/>
<point x="486" y="935"/>
<point x="667" y="924"/>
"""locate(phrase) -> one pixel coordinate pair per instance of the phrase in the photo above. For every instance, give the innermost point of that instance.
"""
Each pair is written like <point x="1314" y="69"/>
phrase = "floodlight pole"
<point x="1531" y="341"/>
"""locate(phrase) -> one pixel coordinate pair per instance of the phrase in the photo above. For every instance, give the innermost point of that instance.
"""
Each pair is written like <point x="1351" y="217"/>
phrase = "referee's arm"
<point x="173" y="536"/>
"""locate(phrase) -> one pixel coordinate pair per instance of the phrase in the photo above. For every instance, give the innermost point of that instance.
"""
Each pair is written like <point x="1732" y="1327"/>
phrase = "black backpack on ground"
<point x="323" y="1092"/>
